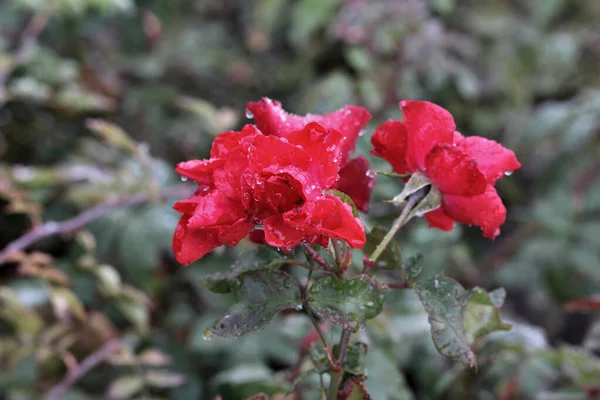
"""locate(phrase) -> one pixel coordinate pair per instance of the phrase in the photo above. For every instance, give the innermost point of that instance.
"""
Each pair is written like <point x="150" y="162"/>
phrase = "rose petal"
<point x="453" y="171"/>
<point x="324" y="147"/>
<point x="273" y="152"/>
<point x="227" y="141"/>
<point x="200" y="171"/>
<point x="357" y="181"/>
<point x="428" y="124"/>
<point x="215" y="209"/>
<point x="439" y="219"/>
<point x="191" y="245"/>
<point x="328" y="216"/>
<point x="390" y="142"/>
<point x="485" y="210"/>
<point x="280" y="234"/>
<point x="232" y="234"/>
<point x="271" y="119"/>
<point x="492" y="158"/>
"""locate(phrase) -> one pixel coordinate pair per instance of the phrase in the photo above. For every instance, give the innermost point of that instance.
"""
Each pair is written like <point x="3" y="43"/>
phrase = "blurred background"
<point x="99" y="99"/>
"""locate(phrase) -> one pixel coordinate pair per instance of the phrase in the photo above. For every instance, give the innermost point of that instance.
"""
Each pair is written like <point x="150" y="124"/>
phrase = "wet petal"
<point x="357" y="181"/>
<point x="270" y="151"/>
<point x="453" y="171"/>
<point x="200" y="171"/>
<point x="485" y="210"/>
<point x="271" y="119"/>
<point x="390" y="142"/>
<point x="439" y="219"/>
<point x="324" y="147"/>
<point x="191" y="245"/>
<point x="280" y="234"/>
<point x="330" y="217"/>
<point x="493" y="159"/>
<point x="215" y="209"/>
<point x="232" y="234"/>
<point x="428" y="124"/>
<point x="227" y="141"/>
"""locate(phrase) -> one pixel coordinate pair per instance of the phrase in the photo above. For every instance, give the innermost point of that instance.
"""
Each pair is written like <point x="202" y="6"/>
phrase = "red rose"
<point x="463" y="169"/>
<point x="355" y="179"/>
<point x="252" y="179"/>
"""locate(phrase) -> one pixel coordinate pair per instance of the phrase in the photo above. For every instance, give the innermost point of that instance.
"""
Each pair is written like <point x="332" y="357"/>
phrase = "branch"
<point x="76" y="223"/>
<point x="29" y="37"/>
<point x="316" y="256"/>
<point x="57" y="392"/>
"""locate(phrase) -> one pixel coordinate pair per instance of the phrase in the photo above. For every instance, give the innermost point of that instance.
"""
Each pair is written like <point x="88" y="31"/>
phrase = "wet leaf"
<point x="229" y="281"/>
<point x="356" y="354"/>
<point x="345" y="198"/>
<point x="445" y="301"/>
<point x="391" y="257"/>
<point x="346" y="303"/>
<point x="262" y="295"/>
<point x="482" y="314"/>
<point x="66" y="303"/>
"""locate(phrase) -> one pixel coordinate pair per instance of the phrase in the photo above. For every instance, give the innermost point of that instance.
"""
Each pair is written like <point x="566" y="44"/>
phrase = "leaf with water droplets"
<point x="391" y="258"/>
<point x="482" y="314"/>
<point x="228" y="281"/>
<point x="345" y="198"/>
<point x="445" y="301"/>
<point x="346" y="303"/>
<point x="356" y="355"/>
<point x="262" y="295"/>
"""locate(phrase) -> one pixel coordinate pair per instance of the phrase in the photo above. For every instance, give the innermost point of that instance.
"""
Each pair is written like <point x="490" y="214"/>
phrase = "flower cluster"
<point x="464" y="169"/>
<point x="285" y="174"/>
<point x="277" y="174"/>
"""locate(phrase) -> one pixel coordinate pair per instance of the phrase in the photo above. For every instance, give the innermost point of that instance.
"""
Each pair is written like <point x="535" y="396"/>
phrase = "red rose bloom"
<point x="463" y="169"/>
<point x="252" y="179"/>
<point x="355" y="178"/>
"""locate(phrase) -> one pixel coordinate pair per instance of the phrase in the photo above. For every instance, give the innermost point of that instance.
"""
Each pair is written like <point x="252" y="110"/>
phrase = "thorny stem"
<point x="398" y="223"/>
<point x="338" y="373"/>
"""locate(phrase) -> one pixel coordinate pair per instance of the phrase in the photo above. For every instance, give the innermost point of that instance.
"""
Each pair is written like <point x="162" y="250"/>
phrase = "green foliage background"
<point x="172" y="74"/>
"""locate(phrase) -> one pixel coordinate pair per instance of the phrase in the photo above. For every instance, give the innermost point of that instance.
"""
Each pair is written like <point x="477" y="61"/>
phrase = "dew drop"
<point x="362" y="132"/>
<point x="436" y="283"/>
<point x="51" y="226"/>
<point x="370" y="304"/>
<point x="184" y="178"/>
<point x="508" y="173"/>
<point x="371" y="173"/>
<point x="207" y="334"/>
<point x="249" y="114"/>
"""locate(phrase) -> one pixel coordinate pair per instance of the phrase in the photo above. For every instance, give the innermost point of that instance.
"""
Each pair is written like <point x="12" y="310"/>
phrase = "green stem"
<point x="338" y="373"/>
<point x="398" y="223"/>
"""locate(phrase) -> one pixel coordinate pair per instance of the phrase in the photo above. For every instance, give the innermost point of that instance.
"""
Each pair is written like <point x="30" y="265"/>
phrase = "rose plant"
<point x="290" y="182"/>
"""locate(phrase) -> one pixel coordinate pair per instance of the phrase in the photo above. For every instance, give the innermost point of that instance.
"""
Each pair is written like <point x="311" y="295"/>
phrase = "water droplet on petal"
<point x="508" y="173"/>
<point x="184" y="178"/>
<point x="249" y="114"/>
<point x="371" y="173"/>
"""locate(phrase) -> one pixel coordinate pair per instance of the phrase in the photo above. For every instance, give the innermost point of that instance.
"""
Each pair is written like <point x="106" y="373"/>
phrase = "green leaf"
<point x="356" y="354"/>
<point x="346" y="303"/>
<point x="432" y="200"/>
<point x="345" y="198"/>
<point x="66" y="304"/>
<point x="391" y="257"/>
<point x="262" y="295"/>
<point x="229" y="281"/>
<point x="482" y="314"/>
<point x="445" y="301"/>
